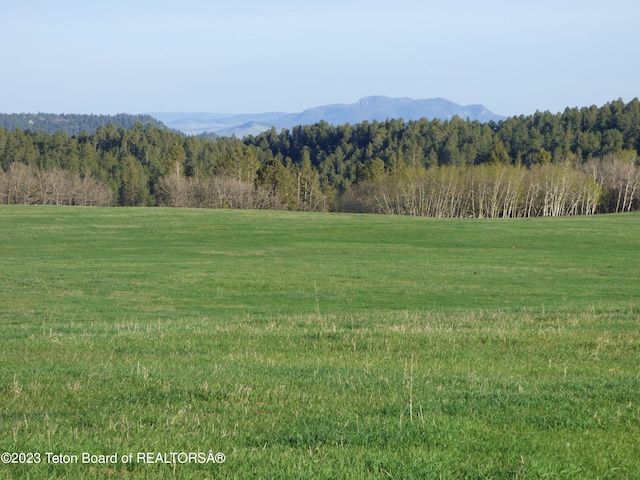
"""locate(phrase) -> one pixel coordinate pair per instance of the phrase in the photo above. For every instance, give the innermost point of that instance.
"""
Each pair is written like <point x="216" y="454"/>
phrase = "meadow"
<point x="317" y="345"/>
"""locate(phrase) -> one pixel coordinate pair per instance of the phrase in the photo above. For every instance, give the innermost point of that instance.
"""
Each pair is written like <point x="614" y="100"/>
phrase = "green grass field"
<point x="317" y="345"/>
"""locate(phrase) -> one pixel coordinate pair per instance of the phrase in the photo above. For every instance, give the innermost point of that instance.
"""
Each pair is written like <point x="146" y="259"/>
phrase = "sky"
<point x="248" y="56"/>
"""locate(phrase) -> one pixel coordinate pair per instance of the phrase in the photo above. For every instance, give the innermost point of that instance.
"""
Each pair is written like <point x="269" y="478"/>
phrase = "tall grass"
<point x="319" y="346"/>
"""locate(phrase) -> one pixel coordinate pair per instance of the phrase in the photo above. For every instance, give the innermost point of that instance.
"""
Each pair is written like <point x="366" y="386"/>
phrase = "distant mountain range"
<point x="378" y="108"/>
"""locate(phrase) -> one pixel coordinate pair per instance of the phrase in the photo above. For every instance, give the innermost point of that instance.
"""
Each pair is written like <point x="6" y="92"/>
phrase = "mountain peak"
<point x="380" y="100"/>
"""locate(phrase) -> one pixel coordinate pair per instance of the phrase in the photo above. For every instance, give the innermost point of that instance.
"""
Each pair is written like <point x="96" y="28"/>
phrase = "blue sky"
<point x="246" y="56"/>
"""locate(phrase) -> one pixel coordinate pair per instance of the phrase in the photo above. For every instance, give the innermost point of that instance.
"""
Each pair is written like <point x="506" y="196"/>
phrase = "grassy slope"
<point x="321" y="345"/>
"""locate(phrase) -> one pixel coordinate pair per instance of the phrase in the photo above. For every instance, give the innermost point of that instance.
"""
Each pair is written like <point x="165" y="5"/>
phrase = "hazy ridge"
<point x="371" y="108"/>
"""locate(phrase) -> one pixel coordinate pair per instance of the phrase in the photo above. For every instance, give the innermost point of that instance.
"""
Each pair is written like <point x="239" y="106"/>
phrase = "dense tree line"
<point x="71" y="124"/>
<point x="348" y="151"/>
<point x="581" y="161"/>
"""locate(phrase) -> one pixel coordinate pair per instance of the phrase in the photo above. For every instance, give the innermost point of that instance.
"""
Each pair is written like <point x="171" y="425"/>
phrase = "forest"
<point x="581" y="161"/>
<point x="71" y="124"/>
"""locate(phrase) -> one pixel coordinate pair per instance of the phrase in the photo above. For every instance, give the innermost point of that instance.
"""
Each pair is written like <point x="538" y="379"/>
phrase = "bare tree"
<point x="173" y="190"/>
<point x="4" y="187"/>
<point x="87" y="191"/>
<point x="21" y="184"/>
<point x="57" y="187"/>
<point x="622" y="177"/>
